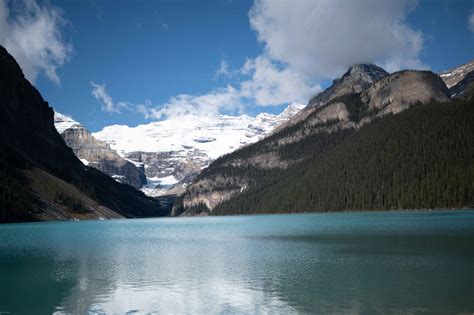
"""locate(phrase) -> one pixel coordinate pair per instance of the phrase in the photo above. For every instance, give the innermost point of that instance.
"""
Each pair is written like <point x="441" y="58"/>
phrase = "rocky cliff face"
<point x="175" y="150"/>
<point x="98" y="154"/>
<point x="356" y="79"/>
<point x="402" y="89"/>
<point x="454" y="76"/>
<point x="464" y="89"/>
<point x="460" y="80"/>
<point x="345" y="109"/>
<point x="40" y="177"/>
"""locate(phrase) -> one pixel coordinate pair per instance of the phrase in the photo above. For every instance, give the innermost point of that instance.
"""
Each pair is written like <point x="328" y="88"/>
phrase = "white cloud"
<point x="471" y="22"/>
<point x="305" y="41"/>
<point x="321" y="38"/>
<point x="266" y="85"/>
<point x="273" y="85"/>
<point x="33" y="35"/>
<point x="146" y="109"/>
<point x="209" y="104"/>
<point x="100" y="93"/>
<point x="223" y="69"/>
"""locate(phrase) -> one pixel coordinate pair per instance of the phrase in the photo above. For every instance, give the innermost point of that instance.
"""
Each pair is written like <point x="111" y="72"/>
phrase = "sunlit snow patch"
<point x="63" y="122"/>
<point x="84" y="161"/>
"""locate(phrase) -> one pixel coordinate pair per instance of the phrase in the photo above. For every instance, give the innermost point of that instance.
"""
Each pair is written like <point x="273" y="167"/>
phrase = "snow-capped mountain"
<point x="176" y="149"/>
<point x="63" y="122"/>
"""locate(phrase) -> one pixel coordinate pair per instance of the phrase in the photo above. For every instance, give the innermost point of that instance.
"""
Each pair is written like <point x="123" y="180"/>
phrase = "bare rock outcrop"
<point x="355" y="80"/>
<point x="402" y="89"/>
<point x="98" y="154"/>
<point x="453" y="76"/>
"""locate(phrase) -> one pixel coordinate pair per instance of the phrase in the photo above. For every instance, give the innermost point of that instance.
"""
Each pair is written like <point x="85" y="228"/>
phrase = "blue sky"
<point x="131" y="62"/>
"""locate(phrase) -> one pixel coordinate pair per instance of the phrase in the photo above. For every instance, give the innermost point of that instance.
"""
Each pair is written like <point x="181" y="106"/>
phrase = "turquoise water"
<point x="357" y="263"/>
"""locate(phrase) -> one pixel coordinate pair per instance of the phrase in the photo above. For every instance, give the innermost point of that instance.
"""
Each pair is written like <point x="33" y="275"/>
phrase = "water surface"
<point x="380" y="263"/>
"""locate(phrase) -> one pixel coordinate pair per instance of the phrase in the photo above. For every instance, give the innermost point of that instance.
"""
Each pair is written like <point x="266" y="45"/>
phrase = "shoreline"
<point x="440" y="210"/>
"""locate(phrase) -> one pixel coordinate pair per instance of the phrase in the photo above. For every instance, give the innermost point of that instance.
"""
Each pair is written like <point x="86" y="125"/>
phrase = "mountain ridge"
<point x="41" y="178"/>
<point x="452" y="76"/>
<point x="420" y="158"/>
<point x="173" y="151"/>
<point x="460" y="80"/>
<point x="357" y="78"/>
<point x="235" y="173"/>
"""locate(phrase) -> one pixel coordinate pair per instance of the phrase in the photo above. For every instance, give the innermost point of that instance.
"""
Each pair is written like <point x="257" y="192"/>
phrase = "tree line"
<point x="422" y="158"/>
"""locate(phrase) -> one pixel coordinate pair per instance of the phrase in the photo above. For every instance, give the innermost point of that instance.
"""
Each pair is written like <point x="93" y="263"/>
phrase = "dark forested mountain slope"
<point x="322" y="128"/>
<point x="421" y="158"/>
<point x="40" y="177"/>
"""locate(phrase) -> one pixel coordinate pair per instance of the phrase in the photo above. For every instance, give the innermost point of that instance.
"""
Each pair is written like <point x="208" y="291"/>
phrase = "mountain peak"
<point x="373" y="72"/>
<point x="63" y="122"/>
<point x="291" y="110"/>
<point x="356" y="79"/>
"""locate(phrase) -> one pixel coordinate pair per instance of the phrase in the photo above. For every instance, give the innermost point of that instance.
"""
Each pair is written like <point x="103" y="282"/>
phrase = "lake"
<point x="357" y="263"/>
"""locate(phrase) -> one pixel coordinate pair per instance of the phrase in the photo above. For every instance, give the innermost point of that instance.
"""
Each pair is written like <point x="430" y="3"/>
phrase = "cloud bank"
<point x="271" y="84"/>
<point x="33" y="35"/>
<point x="206" y="105"/>
<point x="265" y="85"/>
<point x="321" y="38"/>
